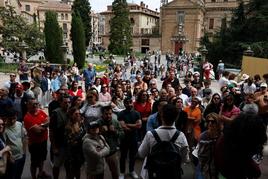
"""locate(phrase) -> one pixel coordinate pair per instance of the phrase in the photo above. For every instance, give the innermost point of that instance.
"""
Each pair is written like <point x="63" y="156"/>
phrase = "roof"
<point x="56" y="6"/>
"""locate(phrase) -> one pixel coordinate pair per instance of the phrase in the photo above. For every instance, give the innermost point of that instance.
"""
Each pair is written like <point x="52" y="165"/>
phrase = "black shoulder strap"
<point x="157" y="138"/>
<point x="175" y="136"/>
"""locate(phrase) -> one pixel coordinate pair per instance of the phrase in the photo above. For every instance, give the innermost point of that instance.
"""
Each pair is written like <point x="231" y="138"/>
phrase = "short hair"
<point x="169" y="114"/>
<point x="106" y="108"/>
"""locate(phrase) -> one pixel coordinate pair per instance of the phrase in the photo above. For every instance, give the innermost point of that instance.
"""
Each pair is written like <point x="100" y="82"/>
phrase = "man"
<point x="15" y="138"/>
<point x="130" y="121"/>
<point x="23" y="71"/>
<point x="173" y="80"/>
<point x="207" y="67"/>
<point x="112" y="132"/>
<point x="11" y="85"/>
<point x="165" y="132"/>
<point x="56" y="130"/>
<point x="5" y="102"/>
<point x="140" y="83"/>
<point x="163" y="96"/>
<point x="262" y="101"/>
<point x="154" y="120"/>
<point x="220" y="69"/>
<point x="89" y="76"/>
<point x="179" y="93"/>
<point x="36" y="122"/>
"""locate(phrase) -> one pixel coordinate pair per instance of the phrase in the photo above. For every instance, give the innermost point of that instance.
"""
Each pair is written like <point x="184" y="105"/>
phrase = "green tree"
<point x="120" y="33"/>
<point x="15" y="29"/>
<point x="248" y="27"/>
<point x="78" y="39"/>
<point x="53" y="36"/>
<point x="83" y="8"/>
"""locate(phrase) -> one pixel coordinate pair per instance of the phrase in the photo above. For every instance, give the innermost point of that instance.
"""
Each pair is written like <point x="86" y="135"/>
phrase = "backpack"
<point x="164" y="160"/>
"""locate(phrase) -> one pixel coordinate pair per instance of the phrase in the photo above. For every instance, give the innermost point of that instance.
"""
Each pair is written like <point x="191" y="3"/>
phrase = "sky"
<point x="101" y="5"/>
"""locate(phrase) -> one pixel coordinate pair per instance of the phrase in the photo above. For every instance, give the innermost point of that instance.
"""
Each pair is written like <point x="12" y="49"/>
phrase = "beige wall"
<point x="33" y="6"/>
<point x="253" y="66"/>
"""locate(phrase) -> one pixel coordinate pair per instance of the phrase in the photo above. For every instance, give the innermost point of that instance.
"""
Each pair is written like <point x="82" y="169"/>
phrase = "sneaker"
<point x="134" y="175"/>
<point x="122" y="176"/>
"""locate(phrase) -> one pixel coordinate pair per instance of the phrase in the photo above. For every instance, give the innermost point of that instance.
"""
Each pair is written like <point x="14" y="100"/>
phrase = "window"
<point x="180" y="17"/>
<point x="145" y="42"/>
<point x="225" y="0"/>
<point x="64" y="27"/>
<point x="62" y="16"/>
<point x="27" y="8"/>
<point x="211" y="24"/>
<point x="66" y="16"/>
<point x="132" y="21"/>
<point x="213" y="0"/>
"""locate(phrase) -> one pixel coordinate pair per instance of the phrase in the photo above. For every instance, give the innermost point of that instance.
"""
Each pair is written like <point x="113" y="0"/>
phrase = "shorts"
<point x="38" y="153"/>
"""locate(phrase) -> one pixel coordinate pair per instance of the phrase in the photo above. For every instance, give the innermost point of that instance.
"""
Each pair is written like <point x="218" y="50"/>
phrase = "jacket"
<point x="95" y="149"/>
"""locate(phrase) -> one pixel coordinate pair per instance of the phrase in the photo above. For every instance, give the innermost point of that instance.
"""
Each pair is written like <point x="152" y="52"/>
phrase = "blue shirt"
<point x="89" y="75"/>
<point x="152" y="122"/>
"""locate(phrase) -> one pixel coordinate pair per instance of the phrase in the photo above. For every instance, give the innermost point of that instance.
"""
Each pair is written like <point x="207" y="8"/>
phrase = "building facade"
<point x="145" y="27"/>
<point x="184" y="22"/>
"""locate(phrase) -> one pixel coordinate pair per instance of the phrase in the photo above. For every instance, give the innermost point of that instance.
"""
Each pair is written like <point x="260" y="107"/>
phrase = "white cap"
<point x="263" y="85"/>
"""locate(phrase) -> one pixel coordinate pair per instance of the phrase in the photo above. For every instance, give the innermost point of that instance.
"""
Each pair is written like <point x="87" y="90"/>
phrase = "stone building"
<point x="184" y="22"/>
<point x="145" y="27"/>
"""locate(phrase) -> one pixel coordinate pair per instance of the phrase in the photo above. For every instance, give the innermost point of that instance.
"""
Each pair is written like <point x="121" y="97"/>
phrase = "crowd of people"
<point x="92" y="119"/>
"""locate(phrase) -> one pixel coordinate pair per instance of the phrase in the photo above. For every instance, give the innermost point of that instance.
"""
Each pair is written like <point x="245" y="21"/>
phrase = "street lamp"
<point x="23" y="47"/>
<point x="203" y="52"/>
<point x="249" y="52"/>
<point x="64" y="48"/>
<point x="125" y="46"/>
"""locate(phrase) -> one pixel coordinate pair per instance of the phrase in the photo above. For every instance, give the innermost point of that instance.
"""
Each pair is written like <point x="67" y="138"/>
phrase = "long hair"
<point x="139" y="97"/>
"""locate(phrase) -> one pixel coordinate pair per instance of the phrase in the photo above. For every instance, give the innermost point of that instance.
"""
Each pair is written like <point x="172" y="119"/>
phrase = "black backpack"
<point x="164" y="160"/>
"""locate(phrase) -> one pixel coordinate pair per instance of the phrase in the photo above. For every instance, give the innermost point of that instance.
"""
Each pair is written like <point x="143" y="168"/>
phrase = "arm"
<point x="144" y="148"/>
<point x="137" y="125"/>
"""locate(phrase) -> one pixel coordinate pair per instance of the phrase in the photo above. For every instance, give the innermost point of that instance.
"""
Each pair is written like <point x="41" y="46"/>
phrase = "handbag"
<point x="3" y="163"/>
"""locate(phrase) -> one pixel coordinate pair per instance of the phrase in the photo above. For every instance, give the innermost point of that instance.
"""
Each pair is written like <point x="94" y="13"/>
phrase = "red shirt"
<point x="145" y="110"/>
<point x="30" y="120"/>
<point x="79" y="93"/>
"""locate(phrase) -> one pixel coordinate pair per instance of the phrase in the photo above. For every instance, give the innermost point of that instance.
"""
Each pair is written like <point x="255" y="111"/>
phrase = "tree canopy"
<point x="120" y="28"/>
<point x="15" y="29"/>
<point x="78" y="39"/>
<point x="54" y="40"/>
<point x="248" y="27"/>
<point x="83" y="8"/>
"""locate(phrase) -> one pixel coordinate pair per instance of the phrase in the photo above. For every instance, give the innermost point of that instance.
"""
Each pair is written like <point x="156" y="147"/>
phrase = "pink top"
<point x="105" y="97"/>
<point x="234" y="112"/>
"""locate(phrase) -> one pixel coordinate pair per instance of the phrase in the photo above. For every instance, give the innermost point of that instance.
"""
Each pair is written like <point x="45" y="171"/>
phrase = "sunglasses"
<point x="216" y="98"/>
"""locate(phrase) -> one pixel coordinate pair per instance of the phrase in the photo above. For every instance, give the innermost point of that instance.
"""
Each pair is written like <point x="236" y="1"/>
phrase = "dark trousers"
<point x="128" y="146"/>
<point x="15" y="169"/>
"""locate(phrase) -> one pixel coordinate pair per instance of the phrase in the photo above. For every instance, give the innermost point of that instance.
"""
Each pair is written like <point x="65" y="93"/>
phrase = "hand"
<point x="112" y="128"/>
<point x="104" y="128"/>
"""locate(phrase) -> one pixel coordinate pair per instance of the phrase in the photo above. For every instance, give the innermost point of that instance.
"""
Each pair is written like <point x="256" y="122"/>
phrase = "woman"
<point x="104" y="95"/>
<point x="214" y="105"/>
<point x="74" y="132"/>
<point x="75" y="72"/>
<point x="193" y="129"/>
<point x="76" y="102"/>
<point x="228" y="110"/>
<point x="91" y="108"/>
<point x="74" y="91"/>
<point x="95" y="149"/>
<point x="144" y="107"/>
<point x="117" y="72"/>
<point x="97" y="84"/>
<point x="206" y="146"/>
<point x="181" y="120"/>
<point x="234" y="150"/>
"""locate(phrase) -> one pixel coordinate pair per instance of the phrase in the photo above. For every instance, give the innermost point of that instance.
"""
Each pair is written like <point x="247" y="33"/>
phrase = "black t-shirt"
<point x="129" y="117"/>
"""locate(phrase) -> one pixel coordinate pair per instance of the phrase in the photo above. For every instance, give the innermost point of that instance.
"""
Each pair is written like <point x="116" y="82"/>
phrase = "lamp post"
<point x="23" y="47"/>
<point x="249" y="52"/>
<point x="64" y="48"/>
<point x="203" y="52"/>
<point x="125" y="47"/>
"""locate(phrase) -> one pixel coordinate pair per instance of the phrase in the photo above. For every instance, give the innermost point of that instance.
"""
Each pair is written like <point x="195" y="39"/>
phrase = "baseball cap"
<point x="264" y="85"/>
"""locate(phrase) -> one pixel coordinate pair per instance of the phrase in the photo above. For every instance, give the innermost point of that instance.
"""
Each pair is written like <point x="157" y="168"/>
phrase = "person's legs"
<point x="133" y="148"/>
<point x="123" y="157"/>
<point x="112" y="162"/>
<point x="58" y="162"/>
<point x="19" y="164"/>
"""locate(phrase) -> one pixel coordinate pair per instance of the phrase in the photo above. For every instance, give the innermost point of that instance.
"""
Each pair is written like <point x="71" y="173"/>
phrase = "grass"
<point x="8" y="67"/>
